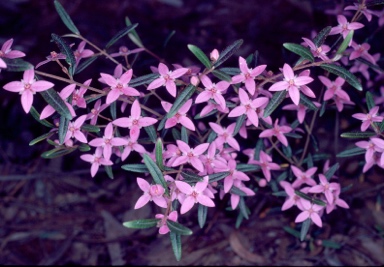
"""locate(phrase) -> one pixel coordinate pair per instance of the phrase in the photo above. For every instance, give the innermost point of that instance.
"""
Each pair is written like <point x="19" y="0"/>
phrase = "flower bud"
<point x="214" y="55"/>
<point x="195" y="80"/>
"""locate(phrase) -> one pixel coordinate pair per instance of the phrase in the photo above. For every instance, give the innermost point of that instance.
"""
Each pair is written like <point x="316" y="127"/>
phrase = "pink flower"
<point x="96" y="160"/>
<point x="52" y="57"/>
<point x="211" y="161"/>
<point x="180" y="116"/>
<point x="78" y="95"/>
<point x="64" y="94"/>
<point x="74" y="130"/>
<point x="225" y="135"/>
<point x="371" y="147"/>
<point x="277" y="131"/>
<point x="27" y="88"/>
<point x="344" y="26"/>
<point x="326" y="188"/>
<point x="108" y="141"/>
<point x="153" y="193"/>
<point x="248" y="107"/>
<point x="235" y="199"/>
<point x="361" y="51"/>
<point x="119" y="86"/>
<point x="80" y="52"/>
<point x="194" y="194"/>
<point x="124" y="51"/>
<point x="266" y="164"/>
<point x="3" y="65"/>
<point x="301" y="110"/>
<point x="379" y="146"/>
<point x="135" y="122"/>
<point x="7" y="52"/>
<point x="132" y="145"/>
<point x="362" y="8"/>
<point x="309" y="211"/>
<point x="369" y="118"/>
<point x="167" y="78"/>
<point x="292" y="199"/>
<point x="211" y="106"/>
<point x="233" y="176"/>
<point x="212" y="91"/>
<point x="303" y="177"/>
<point x="163" y="227"/>
<point x="291" y="83"/>
<point x="319" y="52"/>
<point x="247" y="75"/>
<point x="190" y="155"/>
<point x="340" y="101"/>
<point x="334" y="88"/>
<point x="337" y="201"/>
<point x="94" y="114"/>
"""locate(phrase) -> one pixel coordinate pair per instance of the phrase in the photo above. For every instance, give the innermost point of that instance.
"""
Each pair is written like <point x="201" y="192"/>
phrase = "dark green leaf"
<point x="141" y="224"/>
<point x="66" y="18"/>
<point x="275" y="101"/>
<point x="159" y="153"/>
<point x="215" y="177"/>
<point x="17" y="64"/>
<point x="177" y="228"/>
<point x="54" y="100"/>
<point x="112" y="110"/>
<point x="303" y="195"/>
<point x="299" y="50"/>
<point x="200" y="55"/>
<point x="151" y="131"/>
<point x="108" y="170"/>
<point x="141" y="168"/>
<point x="84" y="147"/>
<point x="280" y="194"/>
<point x="36" y="116"/>
<point x="322" y="108"/>
<point x="191" y="177"/>
<point x="120" y="34"/>
<point x="357" y="134"/>
<point x="133" y="34"/>
<point x="176" y="245"/>
<point x="228" y="52"/>
<point x="90" y="128"/>
<point x="184" y="135"/>
<point x="345" y="43"/>
<point x="259" y="146"/>
<point x="304" y="229"/>
<point x="58" y="152"/>
<point x="168" y="38"/>
<point x="343" y="73"/>
<point x="84" y="64"/>
<point x="370" y="64"/>
<point x="230" y="71"/>
<point x="211" y="137"/>
<point x="351" y="152"/>
<point x="321" y="36"/>
<point x="293" y="135"/>
<point x="222" y="75"/>
<point x="198" y="116"/>
<point x="162" y="123"/>
<point x="202" y="215"/>
<point x="155" y="172"/>
<point x="243" y="208"/>
<point x="184" y="96"/>
<point x="307" y="102"/>
<point x="67" y="51"/>
<point x="330" y="244"/>
<point x="319" y="202"/>
<point x="331" y="171"/>
<point x="292" y="231"/>
<point x="287" y="150"/>
<point x="237" y="191"/>
<point x="145" y="79"/>
<point x="309" y="161"/>
<point x="247" y="167"/>
<point x="239" y="122"/>
<point x="369" y="100"/>
<point x="41" y="138"/>
<point x="176" y="134"/>
<point x="63" y="128"/>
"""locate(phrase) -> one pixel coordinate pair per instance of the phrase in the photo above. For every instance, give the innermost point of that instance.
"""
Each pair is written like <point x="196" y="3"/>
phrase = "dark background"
<point x="53" y="212"/>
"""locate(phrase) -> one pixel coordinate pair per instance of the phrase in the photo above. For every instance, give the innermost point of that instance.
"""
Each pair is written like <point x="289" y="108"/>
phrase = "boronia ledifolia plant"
<point x="202" y="120"/>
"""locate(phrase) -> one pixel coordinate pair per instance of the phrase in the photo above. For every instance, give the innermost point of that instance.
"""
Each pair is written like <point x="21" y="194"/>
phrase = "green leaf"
<point x="58" y="104"/>
<point x="343" y="73"/>
<point x="200" y="55"/>
<point x="239" y="122"/>
<point x="63" y="128"/>
<point x="215" y="177"/>
<point x="275" y="101"/>
<point x="84" y="64"/>
<point x="330" y="244"/>
<point x="319" y="202"/>
<point x="184" y="135"/>
<point x="84" y="147"/>
<point x="243" y="167"/>
<point x="191" y="177"/>
<point x="133" y="34"/>
<point x="67" y="51"/>
<point x="259" y="146"/>
<point x="307" y="102"/>
<point x="243" y="208"/>
<point x="36" y="116"/>
<point x="108" y="170"/>
<point x="370" y="64"/>
<point x="321" y="36"/>
<point x="120" y="34"/>
<point x="292" y="231"/>
<point x="322" y="108"/>
<point x="303" y="195"/>
<point x="230" y="71"/>
<point x="202" y="215"/>
<point x="345" y="43"/>
<point x="90" y="128"/>
<point x="355" y="135"/>
<point x="211" y="137"/>
<point x="351" y="152"/>
<point x="381" y="126"/>
<point x="176" y="134"/>
<point x="112" y="110"/>
<point x="228" y="52"/>
<point x="184" y="96"/>
<point x="17" y="64"/>
<point x="176" y="245"/>
<point x="162" y="123"/>
<point x="168" y="38"/>
<point x="287" y="150"/>
<point x="304" y="229"/>
<point x="145" y="79"/>
<point x="66" y="18"/>
<point x="151" y="131"/>
<point x="58" y="152"/>
<point x="237" y="191"/>
<point x="280" y="194"/>
<point x="222" y="75"/>
<point x="41" y="138"/>
<point x="140" y="168"/>
<point x="331" y="171"/>
<point x="159" y="153"/>
<point x="155" y="172"/>
<point x="299" y="50"/>
<point x="177" y="228"/>
<point x="141" y="224"/>
<point x="370" y="101"/>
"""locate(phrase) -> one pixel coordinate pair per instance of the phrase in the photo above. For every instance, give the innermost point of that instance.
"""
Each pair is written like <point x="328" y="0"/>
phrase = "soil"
<point x="54" y="213"/>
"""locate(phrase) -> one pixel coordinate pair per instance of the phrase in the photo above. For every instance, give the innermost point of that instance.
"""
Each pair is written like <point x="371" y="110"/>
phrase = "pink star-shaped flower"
<point x="96" y="160"/>
<point x="212" y="91"/>
<point x="309" y="211"/>
<point x="153" y="193"/>
<point x="303" y="177"/>
<point x="345" y="27"/>
<point x="266" y="164"/>
<point x="190" y="155"/>
<point x="369" y="118"/>
<point x="180" y="116"/>
<point x="225" y="135"/>
<point x="163" y="227"/>
<point x="326" y="188"/>
<point x="64" y="94"/>
<point x="74" y="130"/>
<point x="277" y="131"/>
<point x="7" y="52"/>
<point x="94" y="114"/>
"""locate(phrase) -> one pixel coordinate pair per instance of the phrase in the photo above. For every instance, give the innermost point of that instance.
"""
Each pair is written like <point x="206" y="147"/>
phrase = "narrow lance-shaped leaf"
<point x="243" y="167"/>
<point x="369" y="100"/>
<point x="41" y="138"/>
<point x="54" y="100"/>
<point x="191" y="177"/>
<point x="355" y="135"/>
<point x="159" y="153"/>
<point x="228" y="52"/>
<point x="184" y="135"/>
<point x="299" y="50"/>
<point x="215" y="177"/>
<point x="181" y="99"/>
<point x="221" y="75"/>
<point x="321" y="36"/>
<point x="200" y="55"/>
<point x="343" y="73"/>
<point x="17" y="64"/>
<point x="237" y="191"/>
<point x="155" y="172"/>
<point x="145" y="79"/>
<point x="36" y="116"/>
<point x="140" y="168"/>
<point x="108" y="170"/>
<point x="67" y="51"/>
<point x="58" y="152"/>
<point x="177" y="228"/>
<point x="345" y="43"/>
<point x="90" y="128"/>
<point x="306" y="102"/>
<point x="120" y="34"/>
<point x="202" y="212"/>
<point x="239" y="122"/>
<point x="63" y="128"/>
<point x="292" y="231"/>
<point x="330" y="244"/>
<point x="66" y="18"/>
<point x="351" y="152"/>
<point x="275" y="101"/>
<point x="370" y="64"/>
<point x="304" y="229"/>
<point x="83" y="65"/>
<point x="176" y="245"/>
<point x="243" y="208"/>
<point x="170" y="35"/>
<point x="141" y="224"/>
<point x="331" y="171"/>
<point x="133" y="34"/>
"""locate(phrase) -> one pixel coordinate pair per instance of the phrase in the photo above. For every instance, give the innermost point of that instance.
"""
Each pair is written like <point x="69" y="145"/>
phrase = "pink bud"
<point x="156" y="190"/>
<point x="214" y="55"/>
<point x="195" y="80"/>
<point x="262" y="182"/>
